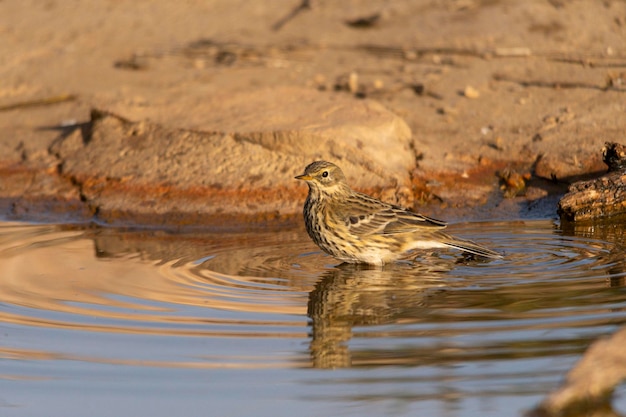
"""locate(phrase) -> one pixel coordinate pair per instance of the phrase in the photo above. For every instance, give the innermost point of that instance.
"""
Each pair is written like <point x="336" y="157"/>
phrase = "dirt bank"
<point x="211" y="108"/>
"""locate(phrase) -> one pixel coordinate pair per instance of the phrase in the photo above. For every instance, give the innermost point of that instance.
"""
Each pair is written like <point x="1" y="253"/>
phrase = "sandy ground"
<point x="486" y="88"/>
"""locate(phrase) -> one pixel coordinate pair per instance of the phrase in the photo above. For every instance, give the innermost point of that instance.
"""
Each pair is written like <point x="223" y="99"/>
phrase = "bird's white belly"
<point x="424" y="244"/>
<point x="373" y="256"/>
<point x="380" y="256"/>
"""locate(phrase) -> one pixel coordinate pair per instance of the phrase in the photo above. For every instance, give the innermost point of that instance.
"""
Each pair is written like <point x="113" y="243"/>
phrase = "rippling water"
<point x="104" y="322"/>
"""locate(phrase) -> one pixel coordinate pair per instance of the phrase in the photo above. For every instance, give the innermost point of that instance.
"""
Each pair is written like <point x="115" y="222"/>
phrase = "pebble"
<point x="471" y="92"/>
<point x="353" y="82"/>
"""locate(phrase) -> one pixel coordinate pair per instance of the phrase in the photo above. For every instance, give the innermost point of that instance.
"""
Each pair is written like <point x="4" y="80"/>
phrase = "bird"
<point x="359" y="229"/>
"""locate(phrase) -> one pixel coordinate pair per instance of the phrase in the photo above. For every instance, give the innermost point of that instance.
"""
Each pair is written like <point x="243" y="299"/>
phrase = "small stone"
<point x="497" y="144"/>
<point x="319" y="81"/>
<point x="471" y="92"/>
<point x="447" y="110"/>
<point x="353" y="82"/>
<point x="513" y="183"/>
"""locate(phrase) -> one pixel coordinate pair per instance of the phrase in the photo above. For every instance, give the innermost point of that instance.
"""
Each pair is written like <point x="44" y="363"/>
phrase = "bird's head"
<point x="324" y="178"/>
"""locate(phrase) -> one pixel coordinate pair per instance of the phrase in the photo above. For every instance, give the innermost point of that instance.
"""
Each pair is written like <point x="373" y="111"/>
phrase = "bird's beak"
<point x="304" y="177"/>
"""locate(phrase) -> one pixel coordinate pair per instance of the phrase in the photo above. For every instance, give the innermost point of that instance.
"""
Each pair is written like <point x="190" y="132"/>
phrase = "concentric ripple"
<point x="442" y="328"/>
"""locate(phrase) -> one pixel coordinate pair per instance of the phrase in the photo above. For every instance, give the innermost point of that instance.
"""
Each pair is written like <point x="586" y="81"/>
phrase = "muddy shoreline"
<point x="463" y="110"/>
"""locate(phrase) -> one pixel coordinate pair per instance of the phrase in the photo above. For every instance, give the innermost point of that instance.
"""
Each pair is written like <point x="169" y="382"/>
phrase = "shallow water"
<point x="105" y="322"/>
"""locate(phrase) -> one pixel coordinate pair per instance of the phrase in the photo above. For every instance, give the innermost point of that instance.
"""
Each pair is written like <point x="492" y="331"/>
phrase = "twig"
<point x="304" y="5"/>
<point x="39" y="102"/>
<point x="557" y="84"/>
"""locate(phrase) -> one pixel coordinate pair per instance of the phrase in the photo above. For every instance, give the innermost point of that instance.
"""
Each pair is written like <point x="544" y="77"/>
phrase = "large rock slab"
<point x="235" y="158"/>
<point x="292" y="120"/>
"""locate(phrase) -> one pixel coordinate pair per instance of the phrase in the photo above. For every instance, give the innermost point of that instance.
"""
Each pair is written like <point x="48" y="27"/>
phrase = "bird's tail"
<point x="469" y="246"/>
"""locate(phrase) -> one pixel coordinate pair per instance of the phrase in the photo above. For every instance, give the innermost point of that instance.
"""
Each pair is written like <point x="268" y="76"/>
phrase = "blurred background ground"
<point x="430" y="103"/>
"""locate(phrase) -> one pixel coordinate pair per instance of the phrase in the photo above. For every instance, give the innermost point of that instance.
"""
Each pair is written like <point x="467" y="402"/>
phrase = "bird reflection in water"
<point x="359" y="295"/>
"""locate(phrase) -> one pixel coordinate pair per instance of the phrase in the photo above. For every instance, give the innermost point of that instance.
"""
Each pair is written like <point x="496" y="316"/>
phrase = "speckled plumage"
<point x="356" y="228"/>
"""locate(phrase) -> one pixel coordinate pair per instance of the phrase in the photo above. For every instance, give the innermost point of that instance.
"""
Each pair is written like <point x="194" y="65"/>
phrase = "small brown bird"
<point x="356" y="228"/>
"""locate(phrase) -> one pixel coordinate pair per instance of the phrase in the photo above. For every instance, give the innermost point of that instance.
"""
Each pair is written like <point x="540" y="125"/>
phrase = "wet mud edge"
<point x="48" y="196"/>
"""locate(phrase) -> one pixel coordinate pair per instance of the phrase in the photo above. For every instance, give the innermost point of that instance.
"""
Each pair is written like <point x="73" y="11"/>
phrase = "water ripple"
<point x="272" y="300"/>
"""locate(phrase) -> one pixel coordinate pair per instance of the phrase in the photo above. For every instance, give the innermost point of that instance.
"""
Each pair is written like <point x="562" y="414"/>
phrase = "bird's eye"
<point x="325" y="174"/>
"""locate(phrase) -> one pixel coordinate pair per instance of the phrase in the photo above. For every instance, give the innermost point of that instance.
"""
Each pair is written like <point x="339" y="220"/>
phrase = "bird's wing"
<point x="364" y="215"/>
<point x="368" y="216"/>
<point x="408" y="221"/>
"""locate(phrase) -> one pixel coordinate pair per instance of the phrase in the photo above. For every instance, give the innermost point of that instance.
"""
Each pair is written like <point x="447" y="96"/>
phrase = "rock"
<point x="614" y="155"/>
<point x="590" y="384"/>
<point x="553" y="166"/>
<point x="595" y="199"/>
<point x="295" y="121"/>
<point x="30" y="187"/>
<point x="238" y="161"/>
<point x="512" y="182"/>
<point x="28" y="193"/>
<point x="471" y="92"/>
<point x="601" y="197"/>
